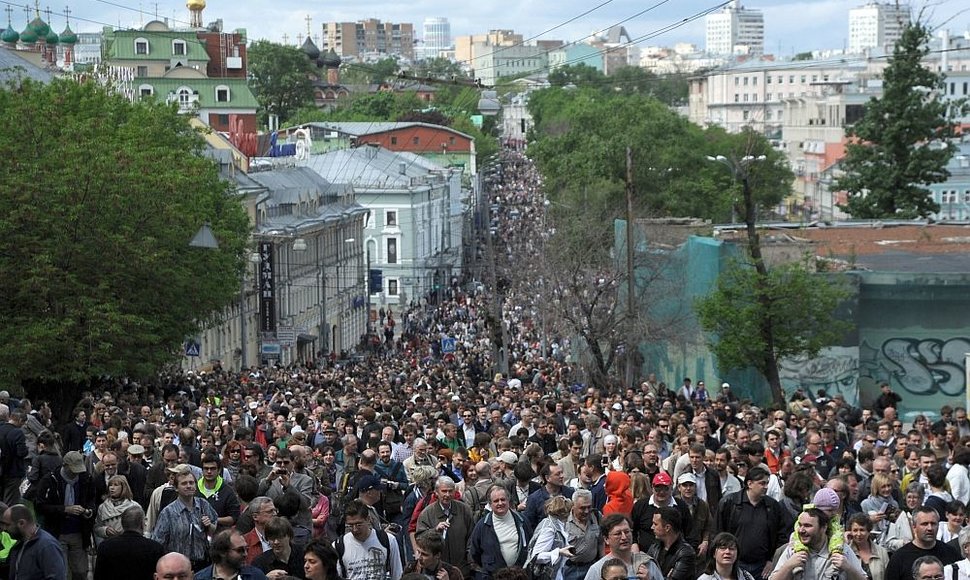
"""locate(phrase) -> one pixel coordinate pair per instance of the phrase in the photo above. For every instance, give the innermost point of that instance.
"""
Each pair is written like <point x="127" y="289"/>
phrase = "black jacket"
<point x="127" y="555"/>
<point x="50" y="504"/>
<point x="13" y="446"/>
<point x="677" y="563"/>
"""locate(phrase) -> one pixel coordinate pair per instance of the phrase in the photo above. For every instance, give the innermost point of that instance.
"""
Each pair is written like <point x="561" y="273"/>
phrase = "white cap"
<point x="686" y="478"/>
<point x="725" y="385"/>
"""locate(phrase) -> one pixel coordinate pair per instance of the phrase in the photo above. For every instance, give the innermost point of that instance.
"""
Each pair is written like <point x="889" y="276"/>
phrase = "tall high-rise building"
<point x="735" y="30"/>
<point x="369" y="37"/>
<point x="437" y="37"/>
<point x="877" y="25"/>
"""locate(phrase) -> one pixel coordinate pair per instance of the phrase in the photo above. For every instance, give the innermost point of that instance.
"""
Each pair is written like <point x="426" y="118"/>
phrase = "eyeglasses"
<point x="356" y="526"/>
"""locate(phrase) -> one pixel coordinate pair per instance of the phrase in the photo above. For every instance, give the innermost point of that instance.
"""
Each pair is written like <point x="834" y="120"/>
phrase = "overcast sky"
<point x="790" y="25"/>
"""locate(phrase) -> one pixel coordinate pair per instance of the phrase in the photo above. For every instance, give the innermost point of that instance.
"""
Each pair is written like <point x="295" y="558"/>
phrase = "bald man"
<point x="173" y="566"/>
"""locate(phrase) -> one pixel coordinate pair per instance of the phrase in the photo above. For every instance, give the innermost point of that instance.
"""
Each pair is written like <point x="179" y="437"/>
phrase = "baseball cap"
<point x="369" y="482"/>
<point x="685" y="478"/>
<point x="662" y="479"/>
<point x="136" y="449"/>
<point x="509" y="458"/>
<point x="74" y="462"/>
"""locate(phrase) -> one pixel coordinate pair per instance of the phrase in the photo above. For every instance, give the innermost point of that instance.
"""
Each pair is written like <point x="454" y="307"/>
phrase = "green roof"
<point x="121" y="45"/>
<point x="240" y="96"/>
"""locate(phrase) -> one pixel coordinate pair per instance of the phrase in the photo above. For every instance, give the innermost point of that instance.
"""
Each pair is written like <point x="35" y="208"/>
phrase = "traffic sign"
<point x="192" y="348"/>
<point x="447" y="345"/>
<point x="286" y="335"/>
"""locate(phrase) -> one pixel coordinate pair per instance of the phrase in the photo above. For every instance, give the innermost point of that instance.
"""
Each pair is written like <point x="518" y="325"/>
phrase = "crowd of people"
<point x="425" y="464"/>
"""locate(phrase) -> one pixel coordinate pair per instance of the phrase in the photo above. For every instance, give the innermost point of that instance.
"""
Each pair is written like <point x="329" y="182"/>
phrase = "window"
<point x="184" y="97"/>
<point x="223" y="119"/>
<point x="141" y="46"/>
<point x="745" y="97"/>
<point x="178" y="47"/>
<point x="222" y="94"/>
<point x="781" y="79"/>
<point x="966" y="196"/>
<point x="754" y="81"/>
<point x="768" y="115"/>
<point x="737" y="81"/>
<point x="754" y="97"/>
<point x="146" y="91"/>
<point x="393" y="140"/>
<point x="745" y="81"/>
<point x="141" y="71"/>
<point x="416" y="140"/>
<point x="737" y="98"/>
<point x="745" y="115"/>
<point x="803" y="78"/>
<point x="391" y="218"/>
<point x="392" y="251"/>
<point x="791" y="79"/>
<point x="392" y="288"/>
<point x="768" y="97"/>
<point x="768" y="80"/>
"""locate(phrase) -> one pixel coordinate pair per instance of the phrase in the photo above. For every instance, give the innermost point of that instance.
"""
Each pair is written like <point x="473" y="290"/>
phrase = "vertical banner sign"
<point x="267" y="288"/>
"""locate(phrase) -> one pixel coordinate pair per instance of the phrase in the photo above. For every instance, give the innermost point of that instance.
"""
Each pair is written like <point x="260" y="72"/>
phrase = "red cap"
<point x="662" y="479"/>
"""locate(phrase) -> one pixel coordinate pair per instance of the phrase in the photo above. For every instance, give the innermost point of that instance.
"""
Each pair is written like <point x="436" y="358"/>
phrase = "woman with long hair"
<point x="232" y="458"/>
<point x="872" y="556"/>
<point x="880" y="506"/>
<point x="108" y="521"/>
<point x="722" y="561"/>
<point x="320" y="561"/>
<point x="900" y="532"/>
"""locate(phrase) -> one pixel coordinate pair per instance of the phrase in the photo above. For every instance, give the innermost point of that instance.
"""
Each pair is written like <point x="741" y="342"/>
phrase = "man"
<point x="220" y="495"/>
<point x="545" y="436"/>
<point x="582" y="535"/>
<point x="674" y="556"/>
<point x="500" y="539"/>
<point x="553" y="485"/>
<point x="262" y="511"/>
<point x="618" y="535"/>
<point x="129" y="554"/>
<point x="775" y="451"/>
<point x="366" y="553"/>
<point x="817" y="561"/>
<point x="729" y="482"/>
<point x="814" y="454"/>
<point x="593" y="472"/>
<point x="137" y="474"/>
<point x="429" y="562"/>
<point x="173" y="566"/>
<point x="525" y="422"/>
<point x="421" y="456"/>
<point x="158" y="474"/>
<point x="228" y="554"/>
<point x="476" y="496"/>
<point x="888" y="398"/>
<point x="927" y="568"/>
<point x="36" y="554"/>
<point x="758" y="522"/>
<point x="106" y="469"/>
<point x="253" y="460"/>
<point x="926" y="523"/>
<point x="644" y="509"/>
<point x="708" y="482"/>
<point x="394" y="478"/>
<point x="13" y="456"/>
<point x="453" y="520"/>
<point x="593" y="435"/>
<point x="283" y="480"/>
<point x="283" y="558"/>
<point x="66" y="500"/>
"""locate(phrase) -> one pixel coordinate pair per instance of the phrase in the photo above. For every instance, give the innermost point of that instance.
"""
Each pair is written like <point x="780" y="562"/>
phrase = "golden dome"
<point x="195" y="4"/>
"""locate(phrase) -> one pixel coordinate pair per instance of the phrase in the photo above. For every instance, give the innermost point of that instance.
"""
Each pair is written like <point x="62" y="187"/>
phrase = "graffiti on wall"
<point x="835" y="369"/>
<point x="917" y="366"/>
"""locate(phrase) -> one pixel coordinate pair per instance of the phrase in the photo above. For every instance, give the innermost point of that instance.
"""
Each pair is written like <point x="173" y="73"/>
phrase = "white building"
<point x="877" y="25"/>
<point x="491" y="62"/>
<point x="735" y="30"/>
<point x="437" y="37"/>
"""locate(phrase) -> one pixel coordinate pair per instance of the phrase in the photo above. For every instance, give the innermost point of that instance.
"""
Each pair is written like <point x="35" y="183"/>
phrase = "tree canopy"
<point x="902" y="143"/>
<point x="101" y="198"/>
<point x="280" y="77"/>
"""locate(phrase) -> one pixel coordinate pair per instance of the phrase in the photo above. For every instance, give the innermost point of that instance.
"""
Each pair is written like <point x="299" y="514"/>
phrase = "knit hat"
<point x="826" y="499"/>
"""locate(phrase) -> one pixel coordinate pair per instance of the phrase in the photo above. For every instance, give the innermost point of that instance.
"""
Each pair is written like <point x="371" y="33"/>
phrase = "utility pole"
<point x="631" y="283"/>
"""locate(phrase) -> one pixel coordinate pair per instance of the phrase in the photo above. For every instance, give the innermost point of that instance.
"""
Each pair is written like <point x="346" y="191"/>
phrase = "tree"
<point x="101" y="198"/>
<point x="797" y="305"/>
<point x="577" y="74"/>
<point x="902" y="143"/>
<point x="439" y="68"/>
<point x="280" y="77"/>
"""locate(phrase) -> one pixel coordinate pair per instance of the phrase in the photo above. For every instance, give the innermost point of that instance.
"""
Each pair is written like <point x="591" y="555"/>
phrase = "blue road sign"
<point x="192" y="348"/>
<point x="447" y="345"/>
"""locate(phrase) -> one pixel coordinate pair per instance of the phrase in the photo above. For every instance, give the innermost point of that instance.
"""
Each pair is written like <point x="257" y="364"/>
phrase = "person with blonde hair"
<point x="108" y="521"/>
<point x="549" y="546"/>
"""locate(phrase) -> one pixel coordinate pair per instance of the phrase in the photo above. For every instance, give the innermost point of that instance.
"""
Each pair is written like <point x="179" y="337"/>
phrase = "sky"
<point x="791" y="26"/>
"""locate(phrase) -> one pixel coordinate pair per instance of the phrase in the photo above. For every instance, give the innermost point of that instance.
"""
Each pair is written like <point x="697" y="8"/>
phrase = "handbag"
<point x="543" y="570"/>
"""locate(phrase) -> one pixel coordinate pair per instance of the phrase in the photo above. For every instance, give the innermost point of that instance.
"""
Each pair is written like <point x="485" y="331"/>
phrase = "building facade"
<point x="877" y="25"/>
<point x="436" y="38"/>
<point x="369" y="37"/>
<point x="735" y="30"/>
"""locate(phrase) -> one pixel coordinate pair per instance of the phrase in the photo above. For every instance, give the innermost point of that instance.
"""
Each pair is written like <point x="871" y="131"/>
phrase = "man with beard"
<point x="228" y="553"/>
<point x="36" y="554"/>
<point x="817" y="561"/>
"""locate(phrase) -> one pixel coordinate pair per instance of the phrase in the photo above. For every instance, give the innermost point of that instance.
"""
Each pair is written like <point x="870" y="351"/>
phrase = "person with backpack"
<point x="475" y="495"/>
<point x="366" y="553"/>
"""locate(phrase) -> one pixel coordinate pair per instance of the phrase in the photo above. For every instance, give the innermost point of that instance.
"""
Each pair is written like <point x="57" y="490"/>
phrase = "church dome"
<point x="331" y="59"/>
<point x="52" y="38"/>
<point x="195" y="4"/>
<point x="310" y="49"/>
<point x="68" y="37"/>
<point x="40" y="28"/>
<point x="28" y="36"/>
<point x="10" y="36"/>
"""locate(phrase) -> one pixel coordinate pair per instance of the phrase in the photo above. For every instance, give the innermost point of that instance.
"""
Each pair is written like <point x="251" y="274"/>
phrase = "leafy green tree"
<point x="369" y="73"/>
<point x="668" y="89"/>
<point x="902" y="143"/>
<point x="439" y="68"/>
<point x="796" y="304"/>
<point x="580" y="75"/>
<point x="802" y="56"/>
<point x="280" y="77"/>
<point x="101" y="197"/>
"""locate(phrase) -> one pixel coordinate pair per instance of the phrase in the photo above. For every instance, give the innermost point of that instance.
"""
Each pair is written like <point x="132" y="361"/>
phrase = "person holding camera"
<point x="282" y="480"/>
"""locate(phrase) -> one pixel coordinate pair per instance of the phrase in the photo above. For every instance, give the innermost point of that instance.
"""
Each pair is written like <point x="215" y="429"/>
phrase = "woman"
<point x="320" y="561"/>
<point x="880" y="505"/>
<point x="327" y="471"/>
<point x="960" y="570"/>
<point x="619" y="499"/>
<point x="900" y="531"/>
<point x="217" y="441"/>
<point x="723" y="561"/>
<point x="469" y="477"/>
<point x="548" y="545"/>
<point x="232" y="459"/>
<point x="639" y="486"/>
<point x="108" y="522"/>
<point x="873" y="557"/>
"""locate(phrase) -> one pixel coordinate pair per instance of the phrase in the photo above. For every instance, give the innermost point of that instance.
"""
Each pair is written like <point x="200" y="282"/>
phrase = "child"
<point x="828" y="501"/>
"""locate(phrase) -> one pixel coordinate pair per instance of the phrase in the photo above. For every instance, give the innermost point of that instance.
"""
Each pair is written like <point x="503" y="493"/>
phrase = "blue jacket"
<point x="247" y="573"/>
<point x="535" y="508"/>
<point x="485" y="551"/>
<point x="39" y="557"/>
